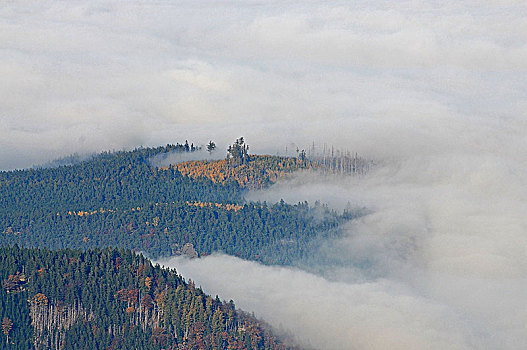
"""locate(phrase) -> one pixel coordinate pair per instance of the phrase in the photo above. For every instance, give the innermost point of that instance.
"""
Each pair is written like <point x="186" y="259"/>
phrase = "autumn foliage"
<point x="7" y="325"/>
<point x="15" y="283"/>
<point x="260" y="171"/>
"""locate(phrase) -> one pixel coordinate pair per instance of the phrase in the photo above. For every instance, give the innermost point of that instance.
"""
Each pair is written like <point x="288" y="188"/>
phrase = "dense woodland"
<point x="85" y="293"/>
<point x="121" y="200"/>
<point x="255" y="231"/>
<point x="113" y="299"/>
<point x="108" y="180"/>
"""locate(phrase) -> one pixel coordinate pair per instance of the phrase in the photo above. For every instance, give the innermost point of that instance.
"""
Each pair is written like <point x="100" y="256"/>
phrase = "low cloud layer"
<point x="381" y="314"/>
<point x="434" y="91"/>
<point x="439" y="263"/>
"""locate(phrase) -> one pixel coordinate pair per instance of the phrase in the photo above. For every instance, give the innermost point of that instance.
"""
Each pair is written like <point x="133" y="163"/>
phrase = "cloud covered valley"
<point x="433" y="91"/>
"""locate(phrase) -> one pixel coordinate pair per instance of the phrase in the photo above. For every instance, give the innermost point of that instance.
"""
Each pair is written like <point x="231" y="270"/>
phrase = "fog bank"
<point x="379" y="78"/>
<point x="335" y="315"/>
<point x="433" y="91"/>
<point x="439" y="263"/>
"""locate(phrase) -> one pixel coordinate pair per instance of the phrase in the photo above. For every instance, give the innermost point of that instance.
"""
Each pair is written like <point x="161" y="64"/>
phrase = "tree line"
<point x="113" y="299"/>
<point x="120" y="200"/>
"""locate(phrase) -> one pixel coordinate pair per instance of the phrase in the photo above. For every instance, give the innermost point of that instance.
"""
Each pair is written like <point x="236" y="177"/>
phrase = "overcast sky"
<point x="435" y="91"/>
<point x="379" y="77"/>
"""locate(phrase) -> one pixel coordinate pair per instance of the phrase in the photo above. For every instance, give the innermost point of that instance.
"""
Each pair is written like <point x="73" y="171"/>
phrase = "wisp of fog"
<point x="445" y="245"/>
<point x="434" y="91"/>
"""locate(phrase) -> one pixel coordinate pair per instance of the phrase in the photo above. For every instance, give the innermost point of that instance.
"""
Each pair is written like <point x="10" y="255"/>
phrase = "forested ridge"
<point x="109" y="180"/>
<point x="78" y="282"/>
<point x="121" y="200"/>
<point x="113" y="299"/>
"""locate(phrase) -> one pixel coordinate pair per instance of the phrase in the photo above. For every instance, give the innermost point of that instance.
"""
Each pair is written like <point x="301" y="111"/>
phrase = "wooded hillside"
<point x="113" y="299"/>
<point x="121" y="200"/>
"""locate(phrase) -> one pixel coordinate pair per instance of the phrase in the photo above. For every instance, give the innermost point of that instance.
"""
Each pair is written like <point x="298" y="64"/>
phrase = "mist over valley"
<point x="424" y="248"/>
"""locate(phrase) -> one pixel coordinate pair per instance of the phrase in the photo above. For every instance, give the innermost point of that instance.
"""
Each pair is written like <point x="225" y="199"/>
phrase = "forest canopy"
<point x="120" y="200"/>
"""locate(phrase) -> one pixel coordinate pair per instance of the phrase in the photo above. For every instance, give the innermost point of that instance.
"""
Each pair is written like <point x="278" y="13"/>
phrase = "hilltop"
<point x="121" y="200"/>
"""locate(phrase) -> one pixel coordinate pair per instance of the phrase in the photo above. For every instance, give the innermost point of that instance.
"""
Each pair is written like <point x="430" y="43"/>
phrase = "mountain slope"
<point x="113" y="299"/>
<point x="121" y="200"/>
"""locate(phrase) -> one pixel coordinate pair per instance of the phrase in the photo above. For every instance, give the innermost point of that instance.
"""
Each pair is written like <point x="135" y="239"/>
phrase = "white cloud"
<point x="335" y="315"/>
<point x="171" y="71"/>
<point x="434" y="90"/>
<point x="448" y="226"/>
